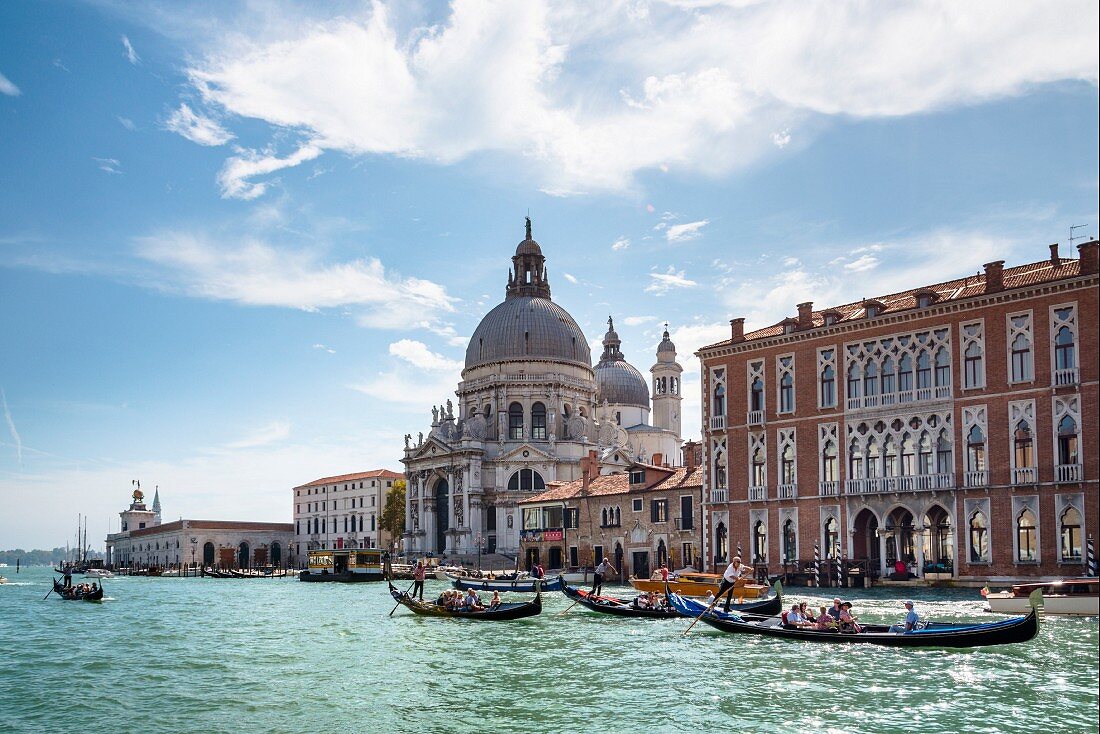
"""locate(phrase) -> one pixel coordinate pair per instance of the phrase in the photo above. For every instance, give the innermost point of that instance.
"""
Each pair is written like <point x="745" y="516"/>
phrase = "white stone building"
<point x="530" y="405"/>
<point x="344" y="511"/>
<point x="145" y="542"/>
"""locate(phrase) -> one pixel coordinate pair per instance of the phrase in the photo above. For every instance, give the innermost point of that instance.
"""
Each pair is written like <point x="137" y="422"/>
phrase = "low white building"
<point x="344" y="511"/>
<point x="145" y="542"/>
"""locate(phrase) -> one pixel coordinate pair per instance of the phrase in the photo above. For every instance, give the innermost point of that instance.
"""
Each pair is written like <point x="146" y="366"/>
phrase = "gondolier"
<point x="418" y="580"/>
<point x="597" y="578"/>
<point x="736" y="574"/>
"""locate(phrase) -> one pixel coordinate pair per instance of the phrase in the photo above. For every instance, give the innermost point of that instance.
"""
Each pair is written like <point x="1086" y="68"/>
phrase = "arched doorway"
<point x="899" y="537"/>
<point x="721" y="543"/>
<point x="276" y="553"/>
<point x="619" y="560"/>
<point x="865" y="544"/>
<point x="208" y="554"/>
<point x="662" y="553"/>
<point x="938" y="541"/>
<point x="442" y="516"/>
<point x="242" y="555"/>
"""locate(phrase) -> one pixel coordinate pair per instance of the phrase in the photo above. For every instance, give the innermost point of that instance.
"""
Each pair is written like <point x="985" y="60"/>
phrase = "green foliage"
<point x="393" y="515"/>
<point x="38" y="557"/>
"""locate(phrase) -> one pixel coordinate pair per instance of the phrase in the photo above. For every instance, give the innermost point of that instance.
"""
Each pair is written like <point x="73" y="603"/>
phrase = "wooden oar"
<point x="395" y="606"/>
<point x="712" y="605"/>
<point x="52" y="587"/>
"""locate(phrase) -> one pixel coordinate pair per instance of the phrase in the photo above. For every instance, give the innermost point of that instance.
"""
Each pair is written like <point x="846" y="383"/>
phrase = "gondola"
<point x="928" y="634"/>
<point x="626" y="608"/>
<point x="69" y="593"/>
<point x="501" y="613"/>
<point x="523" y="585"/>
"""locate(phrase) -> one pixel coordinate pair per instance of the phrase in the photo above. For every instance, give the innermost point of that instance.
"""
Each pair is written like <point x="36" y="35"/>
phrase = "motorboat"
<point x="692" y="583"/>
<point x="1078" y="597"/>
<point x="98" y="573"/>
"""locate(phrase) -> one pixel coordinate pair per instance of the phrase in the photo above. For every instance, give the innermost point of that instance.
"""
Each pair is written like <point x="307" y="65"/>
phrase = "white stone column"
<point x="411" y="482"/>
<point x="918" y="550"/>
<point x="427" y="524"/>
<point x="882" y="555"/>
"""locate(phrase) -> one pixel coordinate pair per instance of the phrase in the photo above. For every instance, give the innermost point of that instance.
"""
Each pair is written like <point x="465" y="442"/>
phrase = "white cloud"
<point x="11" y="428"/>
<point x="638" y="320"/>
<point x="263" y="436"/>
<point x="108" y="165"/>
<point x="131" y="54"/>
<point x="418" y="355"/>
<point x="235" y="174"/>
<point x="620" y="244"/>
<point x="685" y="232"/>
<point x="324" y="348"/>
<point x="254" y="272"/>
<point x="862" y="264"/>
<point x="197" y="128"/>
<point x="127" y="123"/>
<point x="662" y="283"/>
<point x="590" y="97"/>
<point x="570" y="277"/>
<point x="8" y="87"/>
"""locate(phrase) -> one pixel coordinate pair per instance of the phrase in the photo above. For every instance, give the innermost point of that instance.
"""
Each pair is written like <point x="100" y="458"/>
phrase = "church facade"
<point x="529" y="406"/>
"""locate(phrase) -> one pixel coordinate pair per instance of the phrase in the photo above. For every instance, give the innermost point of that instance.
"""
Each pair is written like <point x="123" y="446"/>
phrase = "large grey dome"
<point x="617" y="381"/>
<point x="525" y="327"/>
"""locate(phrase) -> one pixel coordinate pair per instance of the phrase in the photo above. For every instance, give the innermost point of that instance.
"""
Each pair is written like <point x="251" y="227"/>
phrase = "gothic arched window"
<point x="979" y="538"/>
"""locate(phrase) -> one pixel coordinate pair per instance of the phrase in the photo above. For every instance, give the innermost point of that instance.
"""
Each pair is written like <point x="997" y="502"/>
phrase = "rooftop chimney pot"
<point x="737" y="329"/>
<point x="1090" y="257"/>
<point x="805" y="315"/>
<point x="994" y="276"/>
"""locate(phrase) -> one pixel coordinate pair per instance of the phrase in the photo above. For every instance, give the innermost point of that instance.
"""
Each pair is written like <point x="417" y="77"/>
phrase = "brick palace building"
<point x="952" y="427"/>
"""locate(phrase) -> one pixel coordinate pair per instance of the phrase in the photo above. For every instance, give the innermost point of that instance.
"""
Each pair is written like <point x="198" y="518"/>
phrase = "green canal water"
<point x="209" y="655"/>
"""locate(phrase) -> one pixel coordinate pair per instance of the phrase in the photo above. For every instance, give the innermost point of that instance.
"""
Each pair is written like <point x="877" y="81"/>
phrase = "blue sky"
<point x="241" y="245"/>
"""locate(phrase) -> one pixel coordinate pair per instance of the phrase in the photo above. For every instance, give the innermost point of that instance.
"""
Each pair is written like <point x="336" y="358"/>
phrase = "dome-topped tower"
<point x="528" y="326"/>
<point x="666" y="386"/>
<point x="617" y="381"/>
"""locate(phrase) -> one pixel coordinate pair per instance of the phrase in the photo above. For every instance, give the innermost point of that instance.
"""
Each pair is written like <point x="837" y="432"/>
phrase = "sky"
<point x="242" y="245"/>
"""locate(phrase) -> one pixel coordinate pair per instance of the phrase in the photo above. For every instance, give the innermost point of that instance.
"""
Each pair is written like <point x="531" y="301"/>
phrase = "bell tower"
<point x="666" y="386"/>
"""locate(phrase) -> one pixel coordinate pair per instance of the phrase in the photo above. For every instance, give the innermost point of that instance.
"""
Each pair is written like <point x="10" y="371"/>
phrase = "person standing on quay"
<point x="732" y="577"/>
<point x="418" y="580"/>
<point x="602" y="570"/>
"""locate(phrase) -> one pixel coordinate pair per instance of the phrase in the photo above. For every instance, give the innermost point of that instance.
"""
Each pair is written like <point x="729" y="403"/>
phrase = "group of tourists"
<point x="455" y="601"/>
<point x="651" y="600"/>
<point x="79" y="591"/>
<point x="839" y="618"/>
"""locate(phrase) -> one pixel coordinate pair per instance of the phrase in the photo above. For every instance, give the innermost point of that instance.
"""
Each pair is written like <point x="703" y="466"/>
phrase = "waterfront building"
<point x="145" y="542"/>
<point x="529" y="407"/>
<point x="641" y="517"/>
<point x="952" y="427"/>
<point x="343" y="511"/>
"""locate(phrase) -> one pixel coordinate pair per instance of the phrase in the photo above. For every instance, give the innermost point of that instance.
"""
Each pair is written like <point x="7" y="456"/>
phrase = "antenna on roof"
<point x="1073" y="237"/>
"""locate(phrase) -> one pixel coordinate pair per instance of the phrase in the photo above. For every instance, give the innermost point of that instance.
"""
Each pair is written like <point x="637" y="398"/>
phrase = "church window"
<point x="526" y="480"/>
<point x="538" y="422"/>
<point x="515" y="421"/>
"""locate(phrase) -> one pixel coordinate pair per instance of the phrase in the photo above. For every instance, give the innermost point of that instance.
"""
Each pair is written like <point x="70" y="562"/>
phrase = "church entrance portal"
<point x="442" y="498"/>
<point x="208" y="554"/>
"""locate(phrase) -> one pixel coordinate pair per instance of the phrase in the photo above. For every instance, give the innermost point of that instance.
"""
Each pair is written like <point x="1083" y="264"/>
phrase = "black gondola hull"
<point x="64" y="593"/>
<point x="622" y="608"/>
<point x="503" y="613"/>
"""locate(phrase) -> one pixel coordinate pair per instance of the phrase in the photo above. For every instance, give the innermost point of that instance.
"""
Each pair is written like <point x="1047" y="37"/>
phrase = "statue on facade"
<point x="450" y="409"/>
<point x="420" y="439"/>
<point x="408" y="438"/>
<point x="435" y="415"/>
<point x="458" y="512"/>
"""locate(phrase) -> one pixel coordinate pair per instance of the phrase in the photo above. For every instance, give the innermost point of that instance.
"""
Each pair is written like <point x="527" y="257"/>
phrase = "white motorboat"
<point x="98" y="573"/>
<point x="1079" y="597"/>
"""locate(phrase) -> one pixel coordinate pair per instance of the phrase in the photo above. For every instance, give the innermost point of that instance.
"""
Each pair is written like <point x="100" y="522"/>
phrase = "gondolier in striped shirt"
<point x="597" y="578"/>
<point x="735" y="575"/>
<point x="418" y="580"/>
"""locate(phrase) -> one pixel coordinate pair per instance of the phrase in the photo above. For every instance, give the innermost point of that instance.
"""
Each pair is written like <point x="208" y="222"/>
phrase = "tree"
<point x="393" y="514"/>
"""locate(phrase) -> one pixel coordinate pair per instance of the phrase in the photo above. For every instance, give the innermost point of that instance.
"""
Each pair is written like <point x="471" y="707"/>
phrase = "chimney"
<point x="1090" y="257"/>
<point x="691" y="456"/>
<point x="737" y="330"/>
<point x="805" y="315"/>
<point x="656" y="459"/>
<point x="994" y="276"/>
<point x="1054" y="259"/>
<point x="590" y="466"/>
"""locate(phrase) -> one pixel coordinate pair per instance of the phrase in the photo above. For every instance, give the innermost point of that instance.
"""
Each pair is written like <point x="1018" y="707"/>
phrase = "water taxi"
<point x="347" y="565"/>
<point x="697" y="584"/>
<point x="1079" y="597"/>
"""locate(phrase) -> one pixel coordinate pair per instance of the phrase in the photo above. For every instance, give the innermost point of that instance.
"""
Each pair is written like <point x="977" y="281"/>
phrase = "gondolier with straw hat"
<point x="735" y="576"/>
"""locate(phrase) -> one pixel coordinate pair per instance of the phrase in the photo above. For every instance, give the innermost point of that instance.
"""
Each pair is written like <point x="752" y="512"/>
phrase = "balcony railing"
<point x="681" y="526"/>
<point x="828" y="489"/>
<point x="1068" y="376"/>
<point x="976" y="478"/>
<point x="718" y="423"/>
<point x="788" y="491"/>
<point x="921" y="394"/>
<point x="758" y="493"/>
<point x="755" y="418"/>
<point x="910" y="483"/>
<point x="1025" y="475"/>
<point x="1068" y="473"/>
<point x="719" y="495"/>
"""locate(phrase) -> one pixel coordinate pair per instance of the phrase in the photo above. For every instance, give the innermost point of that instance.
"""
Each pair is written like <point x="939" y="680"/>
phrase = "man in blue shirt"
<point x="911" y="617"/>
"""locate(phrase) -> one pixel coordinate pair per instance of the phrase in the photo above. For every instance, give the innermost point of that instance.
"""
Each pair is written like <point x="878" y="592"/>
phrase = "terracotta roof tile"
<point x="619" y="483"/>
<point x="372" y="474"/>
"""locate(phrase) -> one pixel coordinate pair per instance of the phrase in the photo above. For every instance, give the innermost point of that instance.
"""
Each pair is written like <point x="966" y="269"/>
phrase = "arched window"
<point x="973" y="371"/>
<point x="538" y="422"/>
<point x="853" y="381"/>
<point x="924" y="454"/>
<point x="759" y="542"/>
<point x="975" y="449"/>
<point x="908" y="456"/>
<point x="758" y="468"/>
<point x="874" y="459"/>
<point x="829" y="471"/>
<point x="924" y="370"/>
<point x="787" y="465"/>
<point x="889" y="379"/>
<point x="870" y="379"/>
<point x="790" y="543"/>
<point x="828" y="387"/>
<point x="890" y="458"/>
<point x="979" y="538"/>
<point x="1021" y="358"/>
<point x="721" y="543"/>
<point x="603" y="518"/>
<point x="515" y="421"/>
<point x="832" y="538"/>
<point x="786" y="393"/>
<point x="526" y="480"/>
<point x="618" y="516"/>
<point x="1023" y="446"/>
<point x="943" y="368"/>
<point x="1067" y="440"/>
<point x="905" y="376"/>
<point x="1026" y="547"/>
<point x="1071" y="535"/>
<point x="719" y="399"/>
<point x="756" y="395"/>
<point x="1064" y="358"/>
<point x="855" y="461"/>
<point x="944" y="463"/>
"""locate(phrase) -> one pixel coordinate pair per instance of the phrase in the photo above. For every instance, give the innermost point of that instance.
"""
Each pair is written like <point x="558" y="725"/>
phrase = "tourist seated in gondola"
<point x="804" y="610"/>
<point x="848" y="623"/>
<point x="495" y="602"/>
<point x="794" y="617"/>
<point x="473" y="602"/>
<point x="825" y="621"/>
<point x="836" y="609"/>
<point x="710" y="601"/>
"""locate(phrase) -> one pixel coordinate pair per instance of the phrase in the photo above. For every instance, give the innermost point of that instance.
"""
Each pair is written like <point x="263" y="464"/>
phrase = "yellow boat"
<point x="698" y="584"/>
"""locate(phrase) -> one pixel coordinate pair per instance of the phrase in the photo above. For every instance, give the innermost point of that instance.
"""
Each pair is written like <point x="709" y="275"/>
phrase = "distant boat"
<point x="1079" y="597"/>
<point x="72" y="593"/>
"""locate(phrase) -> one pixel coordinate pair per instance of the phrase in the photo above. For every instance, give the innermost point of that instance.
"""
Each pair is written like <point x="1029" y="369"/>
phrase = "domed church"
<point x="530" y="405"/>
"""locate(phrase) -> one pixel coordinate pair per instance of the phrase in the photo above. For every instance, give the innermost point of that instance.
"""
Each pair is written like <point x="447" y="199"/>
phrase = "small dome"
<point x="666" y="344"/>
<point x="525" y="327"/>
<point x="528" y="247"/>
<point x="620" y="383"/>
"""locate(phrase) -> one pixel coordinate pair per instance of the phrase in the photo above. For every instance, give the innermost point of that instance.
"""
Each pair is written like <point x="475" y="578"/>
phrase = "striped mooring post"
<point x="817" y="565"/>
<point x="839" y="571"/>
<point x="739" y="550"/>
<point x="1090" y="557"/>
